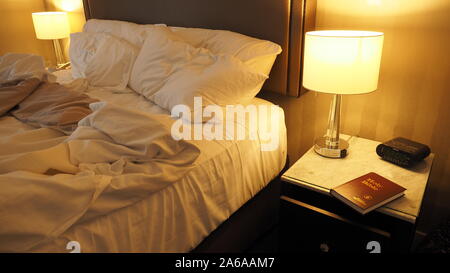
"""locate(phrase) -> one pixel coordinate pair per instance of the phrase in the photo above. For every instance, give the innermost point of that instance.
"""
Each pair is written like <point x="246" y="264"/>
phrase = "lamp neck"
<point x="58" y="52"/>
<point x="332" y="137"/>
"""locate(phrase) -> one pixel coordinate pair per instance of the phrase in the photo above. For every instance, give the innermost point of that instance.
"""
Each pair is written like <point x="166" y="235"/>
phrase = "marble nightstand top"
<point x="321" y="174"/>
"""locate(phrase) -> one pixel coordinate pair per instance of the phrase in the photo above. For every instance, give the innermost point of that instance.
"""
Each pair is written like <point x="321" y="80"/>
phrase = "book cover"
<point x="368" y="192"/>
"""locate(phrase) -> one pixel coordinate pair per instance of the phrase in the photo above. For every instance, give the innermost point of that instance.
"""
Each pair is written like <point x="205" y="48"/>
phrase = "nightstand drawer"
<point x="305" y="228"/>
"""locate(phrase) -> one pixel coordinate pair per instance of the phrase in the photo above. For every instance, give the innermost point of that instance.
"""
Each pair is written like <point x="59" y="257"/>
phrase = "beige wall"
<point x="413" y="98"/>
<point x="17" y="31"/>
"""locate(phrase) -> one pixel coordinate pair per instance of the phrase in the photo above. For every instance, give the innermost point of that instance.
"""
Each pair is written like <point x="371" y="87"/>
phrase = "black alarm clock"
<point x="402" y="151"/>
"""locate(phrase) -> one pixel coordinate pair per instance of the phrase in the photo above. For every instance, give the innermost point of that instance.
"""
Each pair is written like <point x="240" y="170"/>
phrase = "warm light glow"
<point x="68" y="5"/>
<point x="342" y="61"/>
<point x="51" y="25"/>
<point x="374" y="2"/>
<point x="379" y="8"/>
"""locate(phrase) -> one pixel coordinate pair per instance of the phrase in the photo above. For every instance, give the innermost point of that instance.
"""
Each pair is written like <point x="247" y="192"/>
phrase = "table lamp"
<point x="52" y="26"/>
<point x="340" y="62"/>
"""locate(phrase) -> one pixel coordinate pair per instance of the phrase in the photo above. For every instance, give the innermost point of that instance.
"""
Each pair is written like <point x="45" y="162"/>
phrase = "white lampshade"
<point x="51" y="25"/>
<point x="342" y="61"/>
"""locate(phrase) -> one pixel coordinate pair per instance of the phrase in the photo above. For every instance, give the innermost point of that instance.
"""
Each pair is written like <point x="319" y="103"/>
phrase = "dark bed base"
<point x="249" y="226"/>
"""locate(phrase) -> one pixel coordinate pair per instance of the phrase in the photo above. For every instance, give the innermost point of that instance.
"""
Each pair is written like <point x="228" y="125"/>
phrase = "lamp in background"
<point x="340" y="62"/>
<point x="52" y="26"/>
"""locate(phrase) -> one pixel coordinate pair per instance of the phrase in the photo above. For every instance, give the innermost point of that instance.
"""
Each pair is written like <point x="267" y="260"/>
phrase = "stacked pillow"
<point x="104" y="60"/>
<point x="256" y="53"/>
<point x="130" y="32"/>
<point x="174" y="64"/>
<point x="170" y="72"/>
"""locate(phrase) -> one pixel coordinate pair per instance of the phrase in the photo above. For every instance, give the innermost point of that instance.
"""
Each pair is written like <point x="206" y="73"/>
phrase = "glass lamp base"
<point x="325" y="150"/>
<point x="62" y="66"/>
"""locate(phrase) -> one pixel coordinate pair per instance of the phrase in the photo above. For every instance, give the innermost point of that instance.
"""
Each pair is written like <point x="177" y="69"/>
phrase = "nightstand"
<point x="314" y="221"/>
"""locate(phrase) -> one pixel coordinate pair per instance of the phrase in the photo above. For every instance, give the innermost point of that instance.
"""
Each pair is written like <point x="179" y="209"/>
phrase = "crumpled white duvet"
<point x="19" y="66"/>
<point x="114" y="158"/>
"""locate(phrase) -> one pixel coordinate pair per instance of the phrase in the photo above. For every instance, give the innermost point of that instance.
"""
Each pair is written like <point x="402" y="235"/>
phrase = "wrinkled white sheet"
<point x="177" y="218"/>
<point x="49" y="181"/>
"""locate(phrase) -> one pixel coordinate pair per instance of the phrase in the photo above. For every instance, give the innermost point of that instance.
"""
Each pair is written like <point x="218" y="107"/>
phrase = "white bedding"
<point x="50" y="181"/>
<point x="178" y="217"/>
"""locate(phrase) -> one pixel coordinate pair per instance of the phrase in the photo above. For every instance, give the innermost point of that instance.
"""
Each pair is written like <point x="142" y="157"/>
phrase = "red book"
<point x="368" y="192"/>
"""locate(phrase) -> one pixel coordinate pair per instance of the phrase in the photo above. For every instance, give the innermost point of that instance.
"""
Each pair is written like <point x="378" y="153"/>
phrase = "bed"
<point x="226" y="200"/>
<point x="179" y="217"/>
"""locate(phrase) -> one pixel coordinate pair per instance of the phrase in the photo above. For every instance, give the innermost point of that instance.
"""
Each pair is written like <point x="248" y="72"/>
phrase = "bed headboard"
<point x="280" y="21"/>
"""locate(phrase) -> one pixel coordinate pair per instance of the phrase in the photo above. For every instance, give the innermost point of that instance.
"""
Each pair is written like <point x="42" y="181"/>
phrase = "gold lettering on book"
<point x="369" y="182"/>
<point x="359" y="200"/>
<point x="368" y="197"/>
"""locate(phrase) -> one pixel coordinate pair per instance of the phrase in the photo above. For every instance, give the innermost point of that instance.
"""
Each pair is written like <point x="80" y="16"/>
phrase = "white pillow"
<point x="258" y="54"/>
<point x="131" y="32"/>
<point x="102" y="59"/>
<point x="170" y="71"/>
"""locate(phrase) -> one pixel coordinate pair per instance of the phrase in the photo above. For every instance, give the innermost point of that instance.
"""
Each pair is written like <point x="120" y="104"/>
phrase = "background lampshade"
<point x="342" y="61"/>
<point x="51" y="25"/>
